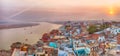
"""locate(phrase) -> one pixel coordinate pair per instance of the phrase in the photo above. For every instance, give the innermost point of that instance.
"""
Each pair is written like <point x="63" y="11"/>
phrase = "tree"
<point x="16" y="45"/>
<point x="104" y="26"/>
<point x="92" y="29"/>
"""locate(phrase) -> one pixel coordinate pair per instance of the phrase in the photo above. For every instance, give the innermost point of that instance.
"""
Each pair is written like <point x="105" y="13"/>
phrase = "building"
<point x="118" y="39"/>
<point x="113" y="30"/>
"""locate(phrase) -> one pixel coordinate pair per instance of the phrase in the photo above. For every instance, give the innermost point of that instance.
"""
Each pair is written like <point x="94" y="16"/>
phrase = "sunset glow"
<point x="112" y="11"/>
<point x="56" y="9"/>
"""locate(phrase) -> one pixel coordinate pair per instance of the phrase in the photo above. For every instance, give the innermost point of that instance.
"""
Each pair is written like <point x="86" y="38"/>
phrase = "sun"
<point x="111" y="11"/>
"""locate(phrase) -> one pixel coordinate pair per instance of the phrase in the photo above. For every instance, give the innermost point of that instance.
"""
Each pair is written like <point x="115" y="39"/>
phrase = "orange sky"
<point x="107" y="7"/>
<point x="60" y="3"/>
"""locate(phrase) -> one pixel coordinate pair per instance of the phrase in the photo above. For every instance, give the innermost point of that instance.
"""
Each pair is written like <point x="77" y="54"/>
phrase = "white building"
<point x="101" y="39"/>
<point x="114" y="30"/>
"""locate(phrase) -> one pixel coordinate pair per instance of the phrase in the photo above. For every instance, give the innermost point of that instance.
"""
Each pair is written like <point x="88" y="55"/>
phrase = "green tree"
<point x="92" y="29"/>
<point x="104" y="26"/>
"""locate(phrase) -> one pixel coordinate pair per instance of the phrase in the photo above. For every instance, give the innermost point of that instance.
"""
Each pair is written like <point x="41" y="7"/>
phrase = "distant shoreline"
<point x="10" y="26"/>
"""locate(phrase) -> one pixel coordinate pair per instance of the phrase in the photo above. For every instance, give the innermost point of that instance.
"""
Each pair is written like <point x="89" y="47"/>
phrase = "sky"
<point x="60" y="3"/>
<point x="16" y="7"/>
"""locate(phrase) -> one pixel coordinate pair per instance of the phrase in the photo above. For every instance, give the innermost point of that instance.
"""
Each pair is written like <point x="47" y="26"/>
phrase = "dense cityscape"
<point x="59" y="27"/>
<point x="73" y="39"/>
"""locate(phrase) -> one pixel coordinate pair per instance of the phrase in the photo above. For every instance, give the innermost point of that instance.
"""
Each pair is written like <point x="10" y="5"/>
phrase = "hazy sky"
<point x="60" y="3"/>
<point x="60" y="6"/>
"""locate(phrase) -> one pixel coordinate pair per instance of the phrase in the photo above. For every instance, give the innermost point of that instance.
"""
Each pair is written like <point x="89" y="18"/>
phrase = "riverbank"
<point x="31" y="34"/>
